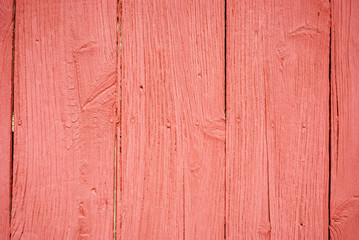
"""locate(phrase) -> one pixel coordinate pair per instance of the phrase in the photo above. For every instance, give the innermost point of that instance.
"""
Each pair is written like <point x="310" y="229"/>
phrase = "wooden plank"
<point x="277" y="119"/>
<point x="171" y="178"/>
<point x="6" y="36"/>
<point x="65" y="77"/>
<point x="344" y="201"/>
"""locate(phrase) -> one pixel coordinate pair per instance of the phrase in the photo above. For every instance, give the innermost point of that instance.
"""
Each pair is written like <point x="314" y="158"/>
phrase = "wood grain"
<point x="6" y="37"/>
<point x="344" y="204"/>
<point x="171" y="178"/>
<point x="65" y="75"/>
<point x="277" y="119"/>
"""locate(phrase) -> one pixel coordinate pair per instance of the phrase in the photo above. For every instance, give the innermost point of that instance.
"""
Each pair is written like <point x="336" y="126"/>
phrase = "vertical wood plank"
<point x="277" y="119"/>
<point x="247" y="213"/>
<point x="6" y="36"/>
<point x="65" y="75"/>
<point x="344" y="204"/>
<point x="171" y="173"/>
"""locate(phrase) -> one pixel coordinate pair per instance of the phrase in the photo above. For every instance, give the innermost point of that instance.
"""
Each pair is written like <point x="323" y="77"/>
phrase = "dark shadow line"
<point x="330" y="119"/>
<point x="225" y="115"/>
<point x="12" y="116"/>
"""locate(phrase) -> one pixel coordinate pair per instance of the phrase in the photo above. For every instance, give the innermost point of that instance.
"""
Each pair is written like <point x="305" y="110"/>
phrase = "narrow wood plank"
<point x="6" y="36"/>
<point x="65" y="75"/>
<point x="171" y="173"/>
<point x="344" y="201"/>
<point x="277" y="119"/>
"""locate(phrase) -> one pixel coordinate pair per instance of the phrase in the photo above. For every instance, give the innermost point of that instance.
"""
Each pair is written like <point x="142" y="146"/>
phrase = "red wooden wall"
<point x="192" y="119"/>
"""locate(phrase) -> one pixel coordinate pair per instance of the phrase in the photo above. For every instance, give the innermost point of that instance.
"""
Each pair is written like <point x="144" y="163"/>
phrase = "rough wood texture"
<point x="344" y="204"/>
<point x="171" y="173"/>
<point x="65" y="74"/>
<point x="277" y="119"/>
<point x="6" y="35"/>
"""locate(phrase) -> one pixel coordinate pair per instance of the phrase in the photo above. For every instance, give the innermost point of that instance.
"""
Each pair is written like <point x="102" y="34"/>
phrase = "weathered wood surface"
<point x="277" y="119"/>
<point x="199" y="155"/>
<point x="65" y="75"/>
<point x="344" y="202"/>
<point x="6" y="36"/>
<point x="172" y="165"/>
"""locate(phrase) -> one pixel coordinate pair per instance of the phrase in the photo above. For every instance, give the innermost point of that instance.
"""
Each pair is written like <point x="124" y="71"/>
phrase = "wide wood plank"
<point x="65" y="75"/>
<point x="6" y="36"/>
<point x="277" y="119"/>
<point x="344" y="201"/>
<point x="171" y="165"/>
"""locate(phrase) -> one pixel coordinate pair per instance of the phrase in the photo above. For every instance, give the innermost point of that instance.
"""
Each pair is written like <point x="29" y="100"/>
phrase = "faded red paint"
<point x="344" y="204"/>
<point x="172" y="164"/>
<point x="277" y="119"/>
<point x="222" y="116"/>
<point x="65" y="75"/>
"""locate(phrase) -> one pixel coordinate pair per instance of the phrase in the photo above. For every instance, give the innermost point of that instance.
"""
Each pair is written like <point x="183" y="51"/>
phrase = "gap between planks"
<point x="225" y="116"/>
<point x="12" y="113"/>
<point x="118" y="130"/>
<point x="330" y="120"/>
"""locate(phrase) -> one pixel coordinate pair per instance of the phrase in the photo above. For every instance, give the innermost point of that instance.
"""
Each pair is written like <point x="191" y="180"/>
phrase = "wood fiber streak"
<point x="277" y="131"/>
<point x="6" y="36"/>
<point x="171" y="179"/>
<point x="344" y="201"/>
<point x="65" y="75"/>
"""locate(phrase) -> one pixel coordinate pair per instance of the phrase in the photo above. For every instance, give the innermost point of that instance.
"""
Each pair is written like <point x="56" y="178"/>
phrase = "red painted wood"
<point x="171" y="168"/>
<point x="6" y="36"/>
<point x="344" y="204"/>
<point x="277" y="119"/>
<point x="65" y="75"/>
